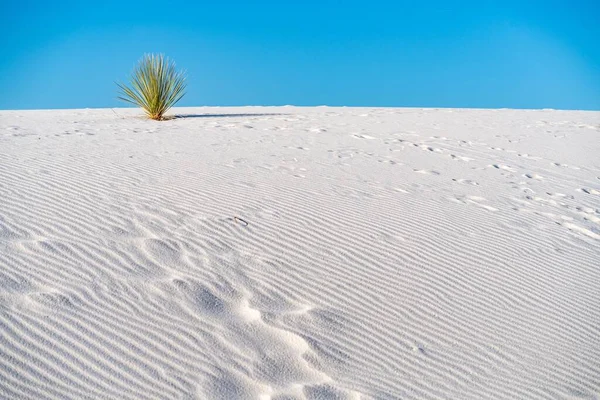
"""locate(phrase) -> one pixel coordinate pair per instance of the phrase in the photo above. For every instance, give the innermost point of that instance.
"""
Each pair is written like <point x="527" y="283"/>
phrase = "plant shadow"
<point x="183" y="116"/>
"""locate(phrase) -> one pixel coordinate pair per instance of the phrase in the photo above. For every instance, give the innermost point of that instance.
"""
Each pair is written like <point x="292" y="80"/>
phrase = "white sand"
<point x="389" y="254"/>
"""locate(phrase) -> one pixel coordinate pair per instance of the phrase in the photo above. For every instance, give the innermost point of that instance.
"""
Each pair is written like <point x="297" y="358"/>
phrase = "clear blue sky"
<point x="491" y="54"/>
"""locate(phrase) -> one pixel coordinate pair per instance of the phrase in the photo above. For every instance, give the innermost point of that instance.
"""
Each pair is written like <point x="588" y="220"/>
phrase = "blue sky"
<point x="486" y="54"/>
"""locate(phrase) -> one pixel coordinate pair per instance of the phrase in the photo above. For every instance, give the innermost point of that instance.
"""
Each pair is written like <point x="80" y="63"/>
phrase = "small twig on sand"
<point x="243" y="221"/>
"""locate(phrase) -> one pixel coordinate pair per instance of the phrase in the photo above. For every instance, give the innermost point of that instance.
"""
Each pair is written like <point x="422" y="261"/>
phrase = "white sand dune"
<point x="300" y="253"/>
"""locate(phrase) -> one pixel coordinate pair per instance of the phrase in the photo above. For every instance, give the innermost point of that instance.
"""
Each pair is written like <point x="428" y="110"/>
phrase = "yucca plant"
<point x="155" y="86"/>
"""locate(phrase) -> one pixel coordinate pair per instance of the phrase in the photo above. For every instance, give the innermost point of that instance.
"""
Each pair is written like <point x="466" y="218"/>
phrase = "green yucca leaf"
<point x="155" y="85"/>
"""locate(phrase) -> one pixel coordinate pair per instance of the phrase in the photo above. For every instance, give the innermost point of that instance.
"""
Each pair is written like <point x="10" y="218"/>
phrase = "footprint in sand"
<point x="361" y="136"/>
<point x="280" y="365"/>
<point x="588" y="191"/>
<point x="560" y="195"/>
<point x="589" y="214"/>
<point x="461" y="158"/>
<point x="426" y="172"/>
<point x="466" y="182"/>
<point x="556" y="164"/>
<point x="474" y="200"/>
<point x="579" y="229"/>
<point x="432" y="149"/>
<point x="503" y="167"/>
<point x="529" y="157"/>
<point x="391" y="162"/>
<point x="533" y="176"/>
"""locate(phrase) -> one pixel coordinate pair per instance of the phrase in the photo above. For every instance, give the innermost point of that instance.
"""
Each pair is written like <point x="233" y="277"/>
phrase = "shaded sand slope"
<point x="389" y="254"/>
